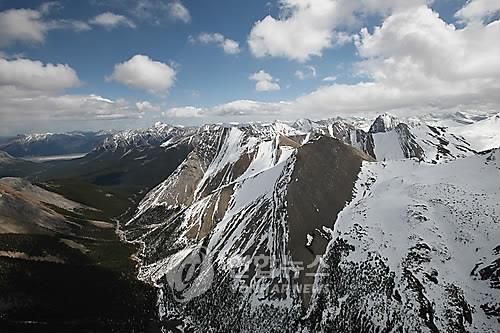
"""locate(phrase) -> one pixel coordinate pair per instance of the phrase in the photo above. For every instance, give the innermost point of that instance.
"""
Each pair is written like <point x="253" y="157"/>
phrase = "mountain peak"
<point x="384" y="123"/>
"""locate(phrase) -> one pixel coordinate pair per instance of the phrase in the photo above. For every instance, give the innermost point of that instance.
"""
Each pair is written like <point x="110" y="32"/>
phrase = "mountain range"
<point x="338" y="225"/>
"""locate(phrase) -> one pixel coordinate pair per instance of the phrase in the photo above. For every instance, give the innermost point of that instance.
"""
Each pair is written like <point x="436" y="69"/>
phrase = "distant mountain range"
<point x="48" y="144"/>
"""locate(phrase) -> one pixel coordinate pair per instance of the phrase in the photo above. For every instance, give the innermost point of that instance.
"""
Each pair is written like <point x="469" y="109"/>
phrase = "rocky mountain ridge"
<point x="295" y="192"/>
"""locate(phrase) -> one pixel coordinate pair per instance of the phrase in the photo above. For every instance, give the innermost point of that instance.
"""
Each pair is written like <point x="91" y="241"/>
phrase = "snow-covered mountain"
<point x="140" y="139"/>
<point x="417" y="249"/>
<point x="323" y="226"/>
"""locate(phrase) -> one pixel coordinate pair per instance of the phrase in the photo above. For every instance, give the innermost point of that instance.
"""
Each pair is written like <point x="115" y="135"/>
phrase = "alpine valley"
<point x="379" y="224"/>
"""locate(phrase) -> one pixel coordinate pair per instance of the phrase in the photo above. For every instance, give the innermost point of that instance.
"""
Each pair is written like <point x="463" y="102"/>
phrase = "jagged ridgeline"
<point x="322" y="226"/>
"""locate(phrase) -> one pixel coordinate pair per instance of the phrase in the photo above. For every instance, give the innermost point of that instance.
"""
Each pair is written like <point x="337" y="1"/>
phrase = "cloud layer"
<point x="33" y="94"/>
<point x="33" y="75"/>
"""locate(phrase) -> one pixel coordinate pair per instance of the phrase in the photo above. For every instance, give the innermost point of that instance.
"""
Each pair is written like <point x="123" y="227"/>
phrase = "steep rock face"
<point x="256" y="196"/>
<point x="408" y="143"/>
<point x="384" y="123"/>
<point x="416" y="250"/>
<point x="321" y="183"/>
<point x="352" y="136"/>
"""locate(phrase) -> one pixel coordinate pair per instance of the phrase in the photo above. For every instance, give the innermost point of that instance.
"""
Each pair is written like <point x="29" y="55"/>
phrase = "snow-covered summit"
<point x="384" y="123"/>
<point x="141" y="138"/>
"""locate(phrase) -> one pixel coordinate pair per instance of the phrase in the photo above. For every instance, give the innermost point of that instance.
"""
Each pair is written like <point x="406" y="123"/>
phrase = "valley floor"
<point x="73" y="275"/>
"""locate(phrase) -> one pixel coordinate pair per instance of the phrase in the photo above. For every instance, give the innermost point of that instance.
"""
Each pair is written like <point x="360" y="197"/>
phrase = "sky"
<point x="101" y="64"/>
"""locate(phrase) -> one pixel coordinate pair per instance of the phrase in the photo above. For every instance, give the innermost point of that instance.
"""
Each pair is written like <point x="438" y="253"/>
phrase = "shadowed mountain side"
<point x="321" y="185"/>
<point x="136" y="168"/>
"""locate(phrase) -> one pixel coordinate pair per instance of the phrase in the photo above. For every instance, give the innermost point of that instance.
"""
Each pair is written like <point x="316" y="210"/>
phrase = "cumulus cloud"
<point x="415" y="60"/>
<point x="264" y="81"/>
<point x="306" y="28"/>
<point x="228" y="45"/>
<point x="146" y="106"/>
<point x="142" y="72"/>
<point x="31" y="25"/>
<point x="33" y="75"/>
<point x="110" y="20"/>
<point x="478" y="10"/>
<point x="32" y="94"/>
<point x="22" y="25"/>
<point x="413" y="63"/>
<point x="178" y="12"/>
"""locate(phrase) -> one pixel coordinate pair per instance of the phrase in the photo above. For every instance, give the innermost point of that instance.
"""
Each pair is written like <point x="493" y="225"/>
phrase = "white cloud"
<point x="31" y="26"/>
<point x="331" y="78"/>
<point x="231" y="110"/>
<point x="32" y="93"/>
<point x="418" y="45"/>
<point x="184" y="112"/>
<point x="33" y="75"/>
<point x="178" y="12"/>
<point x="228" y="45"/>
<point x="110" y="20"/>
<point x="306" y="28"/>
<point x="413" y="63"/>
<point x="142" y="72"/>
<point x="265" y="82"/>
<point x="21" y="25"/>
<point x="146" y="106"/>
<point x="342" y="38"/>
<point x="231" y="46"/>
<point x="418" y="62"/>
<point x="308" y="72"/>
<point x="25" y="110"/>
<point x="478" y="9"/>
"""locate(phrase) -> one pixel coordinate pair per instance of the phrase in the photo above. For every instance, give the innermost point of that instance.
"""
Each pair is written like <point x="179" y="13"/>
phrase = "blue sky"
<point x="205" y="70"/>
<point x="207" y="78"/>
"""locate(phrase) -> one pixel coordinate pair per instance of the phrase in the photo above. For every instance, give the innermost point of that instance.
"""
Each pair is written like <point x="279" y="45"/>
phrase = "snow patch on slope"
<point x="445" y="215"/>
